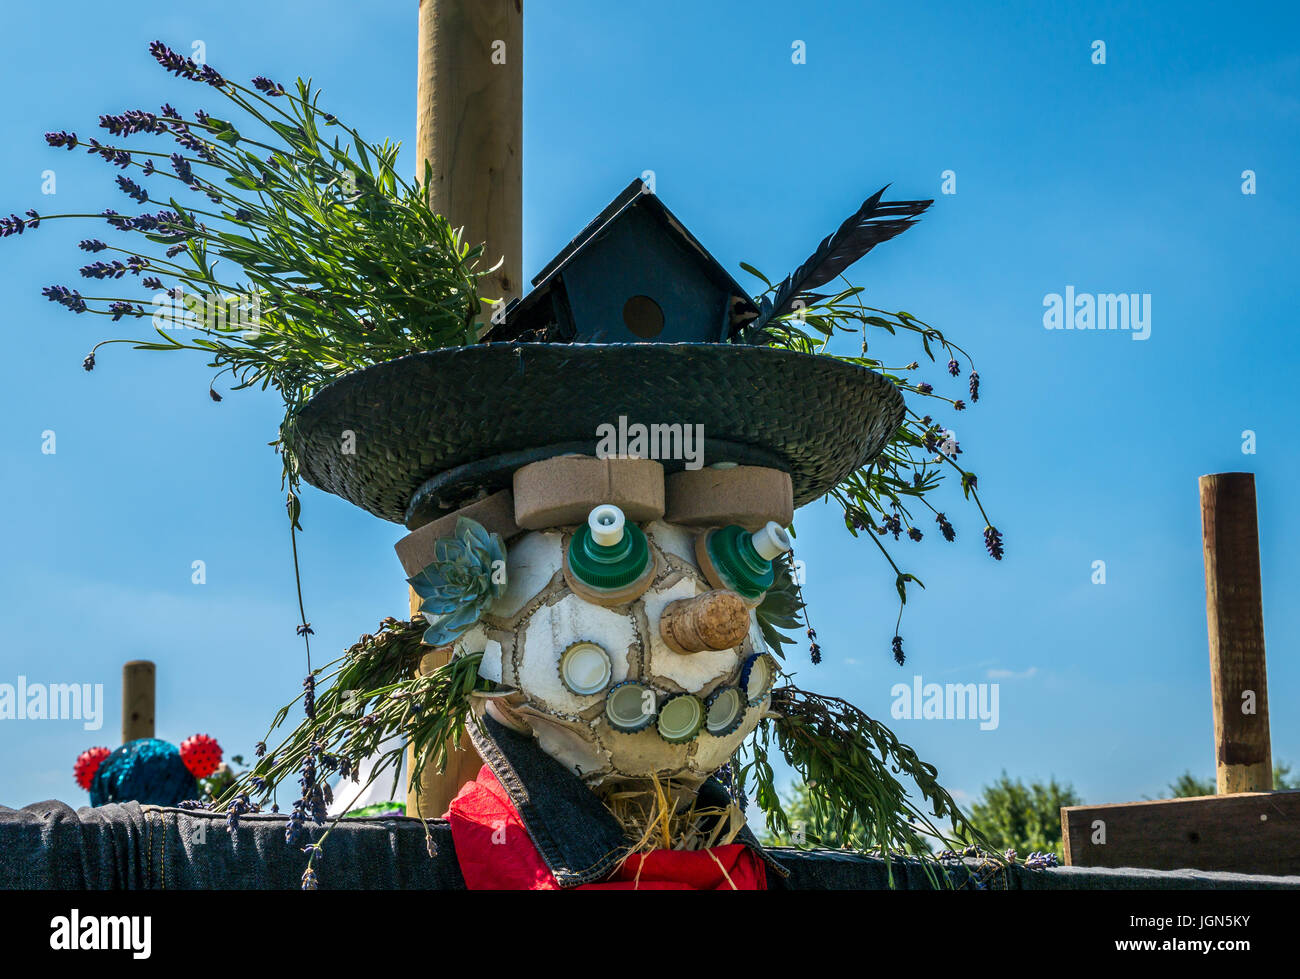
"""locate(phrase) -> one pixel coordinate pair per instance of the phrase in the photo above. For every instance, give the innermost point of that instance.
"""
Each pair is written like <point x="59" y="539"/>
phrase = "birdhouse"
<point x="634" y="275"/>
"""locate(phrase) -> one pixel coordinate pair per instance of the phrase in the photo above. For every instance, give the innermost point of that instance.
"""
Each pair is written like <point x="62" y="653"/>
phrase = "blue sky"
<point x="1122" y="177"/>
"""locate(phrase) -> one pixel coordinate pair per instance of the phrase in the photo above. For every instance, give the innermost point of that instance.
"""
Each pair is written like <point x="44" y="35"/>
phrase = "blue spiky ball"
<point x="148" y="771"/>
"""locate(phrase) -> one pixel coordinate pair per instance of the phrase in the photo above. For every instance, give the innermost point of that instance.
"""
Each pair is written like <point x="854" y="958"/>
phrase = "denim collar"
<point x="577" y="837"/>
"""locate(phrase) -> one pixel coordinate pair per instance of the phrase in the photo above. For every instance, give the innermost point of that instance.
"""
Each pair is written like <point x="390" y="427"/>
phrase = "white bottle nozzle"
<point x="606" y="522"/>
<point x="771" y="541"/>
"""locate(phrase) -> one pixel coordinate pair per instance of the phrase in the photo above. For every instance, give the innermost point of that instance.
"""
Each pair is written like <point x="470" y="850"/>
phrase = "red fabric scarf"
<point x="495" y="853"/>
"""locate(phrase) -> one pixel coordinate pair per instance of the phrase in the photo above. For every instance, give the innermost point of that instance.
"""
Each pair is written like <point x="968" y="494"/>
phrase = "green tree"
<point x="1024" y="818"/>
<point x="1188" y="785"/>
<point x="809" y="823"/>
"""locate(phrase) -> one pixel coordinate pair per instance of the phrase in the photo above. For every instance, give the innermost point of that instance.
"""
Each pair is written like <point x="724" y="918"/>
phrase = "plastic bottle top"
<point x="771" y="541"/>
<point x="606" y="522"/>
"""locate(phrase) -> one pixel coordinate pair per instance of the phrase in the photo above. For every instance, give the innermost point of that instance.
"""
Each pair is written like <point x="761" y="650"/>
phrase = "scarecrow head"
<point x="614" y="610"/>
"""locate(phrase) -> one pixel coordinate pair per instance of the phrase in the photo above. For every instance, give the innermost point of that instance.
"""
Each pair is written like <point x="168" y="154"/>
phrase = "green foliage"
<point x="467" y="573"/>
<point x="378" y="809"/>
<point x="1024" y="818"/>
<point x="780" y="607"/>
<point x="1188" y="785"/>
<point x="803" y="808"/>
<point x="371" y="697"/>
<point x="848" y="763"/>
<point x="283" y="215"/>
<point x="893" y="494"/>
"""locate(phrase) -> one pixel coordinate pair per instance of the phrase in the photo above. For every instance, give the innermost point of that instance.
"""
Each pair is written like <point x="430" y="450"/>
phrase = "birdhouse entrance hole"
<point x="643" y="317"/>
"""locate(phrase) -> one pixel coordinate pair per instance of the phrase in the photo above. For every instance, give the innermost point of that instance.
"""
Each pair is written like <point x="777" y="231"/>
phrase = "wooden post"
<point x="1246" y="828"/>
<point x="137" y="700"/>
<point x="436" y="790"/>
<point x="1234" y="610"/>
<point x="469" y="126"/>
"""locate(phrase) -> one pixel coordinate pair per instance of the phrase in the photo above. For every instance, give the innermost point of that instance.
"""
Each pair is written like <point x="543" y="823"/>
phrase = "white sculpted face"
<point x="588" y="676"/>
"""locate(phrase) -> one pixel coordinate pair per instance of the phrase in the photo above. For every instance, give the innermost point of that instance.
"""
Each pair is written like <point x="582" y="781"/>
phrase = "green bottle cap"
<point x="680" y="718"/>
<point x="726" y="711"/>
<point x="743" y="569"/>
<point x="611" y="565"/>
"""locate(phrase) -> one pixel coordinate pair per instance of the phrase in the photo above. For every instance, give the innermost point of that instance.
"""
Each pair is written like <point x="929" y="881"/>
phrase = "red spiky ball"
<point x="87" y="765"/>
<point x="201" y="755"/>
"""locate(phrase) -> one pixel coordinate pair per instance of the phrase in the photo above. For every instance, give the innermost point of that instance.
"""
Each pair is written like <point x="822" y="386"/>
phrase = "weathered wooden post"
<point x="137" y="699"/>
<point x="1234" y="611"/>
<point x="1246" y="827"/>
<point x="470" y="123"/>
<point x="469" y="128"/>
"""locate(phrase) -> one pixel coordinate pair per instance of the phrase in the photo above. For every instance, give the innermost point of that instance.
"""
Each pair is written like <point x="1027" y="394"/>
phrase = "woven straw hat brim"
<point x="441" y="412"/>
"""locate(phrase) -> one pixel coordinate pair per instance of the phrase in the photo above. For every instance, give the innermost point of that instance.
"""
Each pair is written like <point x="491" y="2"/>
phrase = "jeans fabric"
<point x="48" y="845"/>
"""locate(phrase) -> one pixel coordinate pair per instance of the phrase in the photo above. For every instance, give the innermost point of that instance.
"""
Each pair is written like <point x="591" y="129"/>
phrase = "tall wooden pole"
<point x="1234" y="610"/>
<point x="137" y="699"/>
<point x="469" y="128"/>
<point x="470" y="123"/>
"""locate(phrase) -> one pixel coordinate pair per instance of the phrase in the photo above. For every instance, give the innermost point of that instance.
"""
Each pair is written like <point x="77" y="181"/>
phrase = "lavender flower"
<point x="309" y="881"/>
<point x="191" y="142"/>
<point x="167" y="112"/>
<point x="945" y="528"/>
<point x="65" y="297"/>
<point x="152" y="282"/>
<point x="892" y="525"/>
<point x="35" y="221"/>
<point x="924" y="388"/>
<point x="129" y="123"/>
<point x="14" y="225"/>
<point x="974" y="386"/>
<point x="213" y="77"/>
<point x="954" y="368"/>
<point x="179" y="66"/>
<point x="273" y="89"/>
<point x="62" y="138"/>
<point x="120" y="309"/>
<point x="897" y="647"/>
<point x="201" y="117"/>
<point x="815" y="652"/>
<point x="238" y="806"/>
<point x="993" y="541"/>
<point x="309" y="696"/>
<point x="914" y="533"/>
<point x="182" y="167"/>
<point x="175" y="250"/>
<point x="959" y="405"/>
<point x="91" y="245"/>
<point x="104" y="270"/>
<point x="133" y="190"/>
<point x="119" y="158"/>
<point x="259" y="749"/>
<point x="148" y="168"/>
<point x="89" y="363"/>
<point x="116" y="220"/>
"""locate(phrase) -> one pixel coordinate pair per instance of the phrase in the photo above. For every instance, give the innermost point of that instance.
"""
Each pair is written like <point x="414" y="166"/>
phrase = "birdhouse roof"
<point x="633" y="196"/>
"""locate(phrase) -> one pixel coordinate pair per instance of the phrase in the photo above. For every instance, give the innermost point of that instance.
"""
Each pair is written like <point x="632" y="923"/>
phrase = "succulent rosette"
<point x="468" y="572"/>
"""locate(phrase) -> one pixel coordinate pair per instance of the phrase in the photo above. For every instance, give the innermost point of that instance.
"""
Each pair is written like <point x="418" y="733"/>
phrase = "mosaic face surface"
<point x="598" y="687"/>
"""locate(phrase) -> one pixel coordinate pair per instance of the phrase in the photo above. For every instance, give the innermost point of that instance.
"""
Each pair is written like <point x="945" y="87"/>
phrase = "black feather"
<point x="873" y="223"/>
